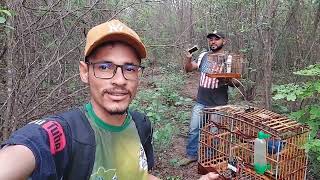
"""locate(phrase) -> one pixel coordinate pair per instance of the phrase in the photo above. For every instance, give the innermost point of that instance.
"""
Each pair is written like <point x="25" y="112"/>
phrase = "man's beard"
<point x="118" y="112"/>
<point x="216" y="49"/>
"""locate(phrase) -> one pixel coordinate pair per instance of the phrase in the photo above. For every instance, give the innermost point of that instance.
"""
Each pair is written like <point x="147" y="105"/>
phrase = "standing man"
<point x="102" y="140"/>
<point x="211" y="92"/>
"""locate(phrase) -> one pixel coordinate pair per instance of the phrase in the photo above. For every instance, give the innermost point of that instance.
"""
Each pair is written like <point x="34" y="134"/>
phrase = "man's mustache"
<point x="116" y="90"/>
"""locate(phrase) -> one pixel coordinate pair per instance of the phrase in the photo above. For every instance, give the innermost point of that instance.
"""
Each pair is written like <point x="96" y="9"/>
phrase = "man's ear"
<point x="84" y="72"/>
<point x="225" y="41"/>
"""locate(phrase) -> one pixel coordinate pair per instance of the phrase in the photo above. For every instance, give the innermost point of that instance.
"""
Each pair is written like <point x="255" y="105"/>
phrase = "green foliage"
<point x="289" y="92"/>
<point x="174" y="162"/>
<point x="79" y="3"/>
<point x="162" y="137"/>
<point x="293" y="92"/>
<point x="312" y="70"/>
<point x="279" y="108"/>
<point x="4" y="15"/>
<point x="149" y="102"/>
<point x="309" y="114"/>
<point x="173" y="178"/>
<point x="164" y="106"/>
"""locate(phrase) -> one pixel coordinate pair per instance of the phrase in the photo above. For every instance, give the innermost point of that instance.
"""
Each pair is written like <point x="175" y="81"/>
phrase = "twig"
<point x="49" y="95"/>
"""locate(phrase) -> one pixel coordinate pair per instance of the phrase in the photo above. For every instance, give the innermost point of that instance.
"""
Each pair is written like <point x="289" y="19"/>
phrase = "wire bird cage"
<point x="226" y="66"/>
<point x="226" y="144"/>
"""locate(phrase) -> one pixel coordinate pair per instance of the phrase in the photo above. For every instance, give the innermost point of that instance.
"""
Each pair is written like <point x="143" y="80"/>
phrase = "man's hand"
<point x="189" y="65"/>
<point x="209" y="176"/>
<point x="188" y="55"/>
<point x="152" y="177"/>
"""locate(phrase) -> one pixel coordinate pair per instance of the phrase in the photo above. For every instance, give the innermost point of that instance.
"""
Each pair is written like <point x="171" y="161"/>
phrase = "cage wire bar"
<point x="226" y="141"/>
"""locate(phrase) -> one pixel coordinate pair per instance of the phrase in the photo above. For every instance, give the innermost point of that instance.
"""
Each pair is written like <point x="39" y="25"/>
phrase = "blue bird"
<point x="275" y="146"/>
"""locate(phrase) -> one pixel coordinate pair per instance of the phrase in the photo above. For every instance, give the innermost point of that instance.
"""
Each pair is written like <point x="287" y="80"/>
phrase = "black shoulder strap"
<point x="145" y="131"/>
<point x="82" y="145"/>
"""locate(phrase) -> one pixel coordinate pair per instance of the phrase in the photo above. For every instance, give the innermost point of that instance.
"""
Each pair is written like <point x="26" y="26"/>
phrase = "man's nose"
<point x="118" y="77"/>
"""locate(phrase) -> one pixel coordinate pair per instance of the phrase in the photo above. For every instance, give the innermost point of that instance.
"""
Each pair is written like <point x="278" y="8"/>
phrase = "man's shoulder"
<point x="200" y="58"/>
<point x="201" y="55"/>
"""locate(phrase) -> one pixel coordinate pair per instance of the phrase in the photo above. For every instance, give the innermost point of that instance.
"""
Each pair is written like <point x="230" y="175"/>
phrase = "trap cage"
<point x="226" y="144"/>
<point x="226" y="65"/>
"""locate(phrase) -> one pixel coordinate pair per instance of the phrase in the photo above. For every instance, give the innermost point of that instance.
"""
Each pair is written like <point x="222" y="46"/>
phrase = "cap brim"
<point x="211" y="35"/>
<point x="122" y="37"/>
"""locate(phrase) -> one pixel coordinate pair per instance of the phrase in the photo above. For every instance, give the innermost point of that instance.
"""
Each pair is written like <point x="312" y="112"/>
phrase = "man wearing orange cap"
<point x="101" y="140"/>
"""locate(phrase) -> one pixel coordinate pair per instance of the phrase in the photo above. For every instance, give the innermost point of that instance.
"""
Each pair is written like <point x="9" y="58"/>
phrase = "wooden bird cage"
<point x="226" y="141"/>
<point x="221" y="64"/>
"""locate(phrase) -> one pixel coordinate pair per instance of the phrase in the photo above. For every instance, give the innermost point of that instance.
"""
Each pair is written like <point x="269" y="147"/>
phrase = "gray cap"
<point x="217" y="34"/>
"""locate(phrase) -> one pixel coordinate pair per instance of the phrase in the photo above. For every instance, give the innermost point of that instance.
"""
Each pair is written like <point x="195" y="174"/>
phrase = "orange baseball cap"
<point x="114" y="30"/>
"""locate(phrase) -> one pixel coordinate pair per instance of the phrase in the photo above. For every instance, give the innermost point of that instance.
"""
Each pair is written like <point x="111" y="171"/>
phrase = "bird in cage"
<point x="275" y="146"/>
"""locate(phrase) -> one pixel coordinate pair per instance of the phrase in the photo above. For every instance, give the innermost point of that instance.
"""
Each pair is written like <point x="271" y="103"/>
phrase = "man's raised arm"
<point x="189" y="64"/>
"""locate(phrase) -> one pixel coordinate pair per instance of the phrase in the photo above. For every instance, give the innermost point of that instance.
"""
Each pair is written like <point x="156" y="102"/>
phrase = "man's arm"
<point x="152" y="177"/>
<point x="189" y="64"/>
<point x="16" y="162"/>
<point x="209" y="176"/>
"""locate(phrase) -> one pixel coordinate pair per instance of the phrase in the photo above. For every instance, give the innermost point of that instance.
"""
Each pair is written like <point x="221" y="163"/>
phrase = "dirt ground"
<point x="166" y="162"/>
<point x="166" y="166"/>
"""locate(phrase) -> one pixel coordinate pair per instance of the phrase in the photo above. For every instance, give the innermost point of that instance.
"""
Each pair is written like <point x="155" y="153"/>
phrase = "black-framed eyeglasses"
<point x="107" y="70"/>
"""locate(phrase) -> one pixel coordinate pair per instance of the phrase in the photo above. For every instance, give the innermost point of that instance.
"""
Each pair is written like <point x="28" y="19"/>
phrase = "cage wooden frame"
<point x="237" y="66"/>
<point x="228" y="132"/>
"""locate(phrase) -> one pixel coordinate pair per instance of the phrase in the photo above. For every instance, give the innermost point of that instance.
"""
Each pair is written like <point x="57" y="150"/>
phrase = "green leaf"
<point x="297" y="115"/>
<point x="278" y="96"/>
<point x="2" y="20"/>
<point x="317" y="86"/>
<point x="315" y="112"/>
<point x="149" y="114"/>
<point x="291" y="97"/>
<point x="6" y="12"/>
<point x="312" y="70"/>
<point x="178" y="103"/>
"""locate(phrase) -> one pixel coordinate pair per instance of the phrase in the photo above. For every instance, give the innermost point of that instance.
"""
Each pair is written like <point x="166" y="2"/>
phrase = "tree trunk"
<point x="268" y="71"/>
<point x="191" y="30"/>
<point x="9" y="84"/>
<point x="316" y="21"/>
<point x="268" y="53"/>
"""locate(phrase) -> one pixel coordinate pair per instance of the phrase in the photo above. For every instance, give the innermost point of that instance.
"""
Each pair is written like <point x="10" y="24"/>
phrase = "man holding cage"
<point x="212" y="91"/>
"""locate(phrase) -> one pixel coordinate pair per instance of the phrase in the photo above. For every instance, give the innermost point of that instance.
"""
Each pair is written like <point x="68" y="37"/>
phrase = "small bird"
<point x="275" y="146"/>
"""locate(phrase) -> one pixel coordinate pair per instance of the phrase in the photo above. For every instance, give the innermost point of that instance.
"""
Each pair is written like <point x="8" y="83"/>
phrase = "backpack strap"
<point x="145" y="132"/>
<point x="82" y="144"/>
